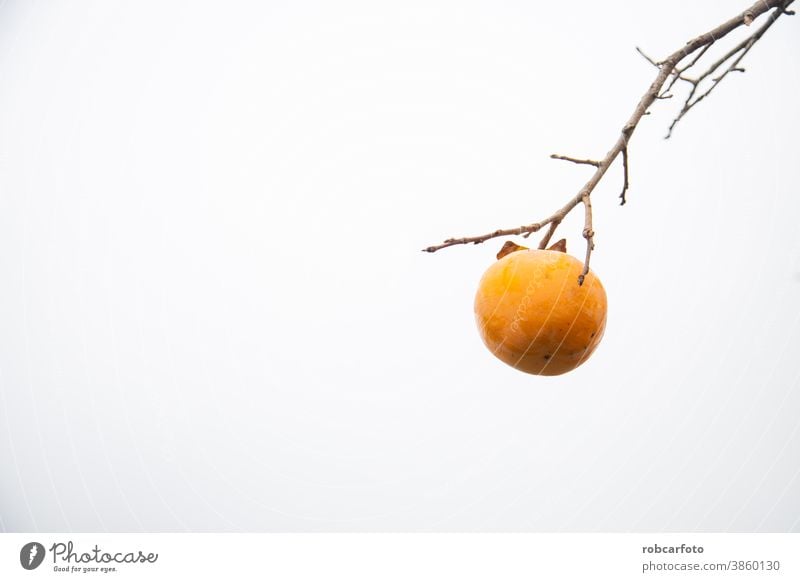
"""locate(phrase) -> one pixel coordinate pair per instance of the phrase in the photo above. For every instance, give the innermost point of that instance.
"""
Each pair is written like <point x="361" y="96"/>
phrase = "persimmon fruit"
<point x="534" y="315"/>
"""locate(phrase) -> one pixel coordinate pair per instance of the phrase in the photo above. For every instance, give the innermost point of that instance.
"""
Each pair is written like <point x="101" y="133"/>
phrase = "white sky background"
<point x="214" y="311"/>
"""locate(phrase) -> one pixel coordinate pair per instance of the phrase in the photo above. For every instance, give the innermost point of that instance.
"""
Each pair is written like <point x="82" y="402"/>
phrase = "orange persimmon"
<point x="534" y="315"/>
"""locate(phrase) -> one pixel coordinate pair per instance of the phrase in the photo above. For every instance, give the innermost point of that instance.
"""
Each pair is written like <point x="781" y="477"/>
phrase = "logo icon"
<point x="31" y="555"/>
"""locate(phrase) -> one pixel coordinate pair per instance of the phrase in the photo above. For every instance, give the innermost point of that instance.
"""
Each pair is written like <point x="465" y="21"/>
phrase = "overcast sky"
<point x="214" y="311"/>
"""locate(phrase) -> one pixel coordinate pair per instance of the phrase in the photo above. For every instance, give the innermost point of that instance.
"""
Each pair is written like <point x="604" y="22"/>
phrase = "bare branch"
<point x="677" y="73"/>
<point x="549" y="234"/>
<point x="696" y="58"/>
<point x="740" y="49"/>
<point x="625" y="182"/>
<point x="594" y="163"/>
<point x="588" y="234"/>
<point x="657" y="65"/>
<point x="520" y="230"/>
<point x="667" y="68"/>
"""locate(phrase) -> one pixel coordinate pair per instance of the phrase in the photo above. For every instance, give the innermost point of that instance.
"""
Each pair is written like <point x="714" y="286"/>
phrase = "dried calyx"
<point x="510" y="247"/>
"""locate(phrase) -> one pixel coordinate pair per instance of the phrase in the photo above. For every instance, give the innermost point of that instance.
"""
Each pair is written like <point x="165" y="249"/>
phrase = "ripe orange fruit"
<point x="534" y="316"/>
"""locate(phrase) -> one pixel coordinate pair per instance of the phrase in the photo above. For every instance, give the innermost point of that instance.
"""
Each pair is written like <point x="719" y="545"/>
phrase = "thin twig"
<point x="666" y="68"/>
<point x="594" y="163"/>
<point x="520" y="230"/>
<point x="549" y="234"/>
<point x="625" y="181"/>
<point x="677" y="74"/>
<point x="588" y="234"/>
<point x="657" y="65"/>
<point x="696" y="58"/>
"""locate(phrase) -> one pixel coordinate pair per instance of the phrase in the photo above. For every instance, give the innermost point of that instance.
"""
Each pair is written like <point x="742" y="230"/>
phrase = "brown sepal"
<point x="508" y="248"/>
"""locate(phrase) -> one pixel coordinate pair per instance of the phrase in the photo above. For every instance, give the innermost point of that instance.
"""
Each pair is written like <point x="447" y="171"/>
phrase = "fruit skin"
<point x="534" y="316"/>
